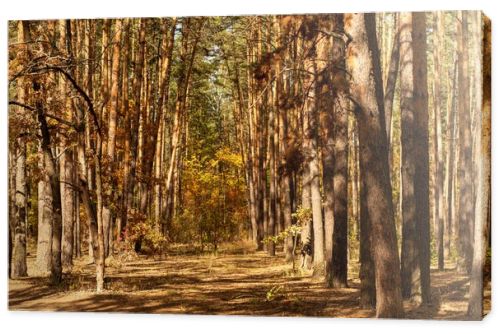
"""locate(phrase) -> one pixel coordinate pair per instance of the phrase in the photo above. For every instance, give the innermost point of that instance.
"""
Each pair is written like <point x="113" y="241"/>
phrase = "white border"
<point x="20" y="322"/>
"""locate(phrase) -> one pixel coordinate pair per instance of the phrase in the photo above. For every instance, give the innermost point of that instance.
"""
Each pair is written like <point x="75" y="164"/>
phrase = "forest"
<point x="330" y="165"/>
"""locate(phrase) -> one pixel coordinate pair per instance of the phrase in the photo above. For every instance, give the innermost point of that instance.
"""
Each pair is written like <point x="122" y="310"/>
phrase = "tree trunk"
<point x="482" y="29"/>
<point x="18" y="266"/>
<point x="187" y="57"/>
<point x="466" y="202"/>
<point x="309" y="34"/>
<point x="422" y="150"/>
<point x="452" y="160"/>
<point x="17" y="260"/>
<point x="415" y="254"/>
<point x="390" y="85"/>
<point x="439" y="202"/>
<point x="111" y="139"/>
<point x="121" y="220"/>
<point x="66" y="159"/>
<point x="52" y="191"/>
<point x="340" y="231"/>
<point x="367" y="269"/>
<point x="363" y="64"/>
<point x="44" y="238"/>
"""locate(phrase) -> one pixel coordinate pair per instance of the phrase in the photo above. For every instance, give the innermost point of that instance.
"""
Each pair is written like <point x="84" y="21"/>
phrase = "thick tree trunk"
<point x="410" y="269"/>
<point x="366" y="90"/>
<point x="44" y="237"/>
<point x="340" y="231"/>
<point x="52" y="191"/>
<point x="366" y="269"/>
<point x="17" y="228"/>
<point x="18" y="266"/>
<point x="334" y="117"/>
<point x="328" y="108"/>
<point x="309" y="34"/>
<point x="482" y="157"/>
<point x="415" y="254"/>
<point x="420" y="97"/>
<point x="68" y="207"/>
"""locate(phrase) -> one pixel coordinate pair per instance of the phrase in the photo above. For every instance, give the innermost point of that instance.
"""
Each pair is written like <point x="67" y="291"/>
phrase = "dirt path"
<point x="243" y="284"/>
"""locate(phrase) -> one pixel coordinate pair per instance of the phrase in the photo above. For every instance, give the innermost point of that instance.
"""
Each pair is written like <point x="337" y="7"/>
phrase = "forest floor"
<point x="235" y="282"/>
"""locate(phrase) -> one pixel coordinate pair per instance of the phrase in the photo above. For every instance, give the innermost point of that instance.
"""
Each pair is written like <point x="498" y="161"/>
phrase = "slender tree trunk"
<point x="137" y="87"/>
<point x="162" y="103"/>
<point x="271" y="228"/>
<point x="66" y="159"/>
<point x="390" y="85"/>
<point x="187" y="57"/>
<point x="439" y="202"/>
<point x="466" y="202"/>
<point x="85" y="141"/>
<point x="452" y="160"/>
<point x="121" y="220"/>
<point x="111" y="140"/>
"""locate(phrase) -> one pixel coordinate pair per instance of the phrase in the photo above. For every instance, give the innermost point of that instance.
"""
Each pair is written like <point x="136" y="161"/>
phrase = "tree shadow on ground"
<point x="251" y="284"/>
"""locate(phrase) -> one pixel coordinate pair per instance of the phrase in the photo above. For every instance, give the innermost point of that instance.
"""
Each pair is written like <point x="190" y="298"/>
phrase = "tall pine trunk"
<point x="363" y="65"/>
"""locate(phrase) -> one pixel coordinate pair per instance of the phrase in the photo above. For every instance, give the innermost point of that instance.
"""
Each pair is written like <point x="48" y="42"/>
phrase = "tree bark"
<point x="415" y="254"/>
<point x="422" y="150"/>
<point x="363" y="64"/>
<point x="111" y="139"/>
<point x="390" y="85"/>
<point x="309" y="35"/>
<point x="17" y="229"/>
<point x="466" y="202"/>
<point x="482" y="29"/>
<point x="66" y="158"/>
<point x="439" y="202"/>
<point x="52" y="191"/>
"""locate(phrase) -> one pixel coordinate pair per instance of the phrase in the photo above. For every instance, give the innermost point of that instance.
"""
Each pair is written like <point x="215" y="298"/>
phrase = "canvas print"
<point x="328" y="165"/>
